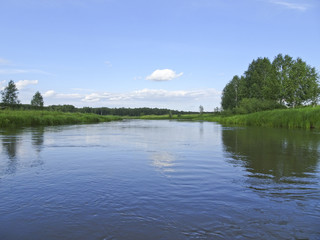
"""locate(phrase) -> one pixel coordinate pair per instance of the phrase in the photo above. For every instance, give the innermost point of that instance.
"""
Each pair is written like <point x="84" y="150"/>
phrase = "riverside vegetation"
<point x="28" y="118"/>
<point x="305" y="117"/>
<point x="281" y="93"/>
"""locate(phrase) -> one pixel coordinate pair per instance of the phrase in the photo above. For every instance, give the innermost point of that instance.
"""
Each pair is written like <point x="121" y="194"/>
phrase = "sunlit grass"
<point x="13" y="118"/>
<point x="306" y="117"/>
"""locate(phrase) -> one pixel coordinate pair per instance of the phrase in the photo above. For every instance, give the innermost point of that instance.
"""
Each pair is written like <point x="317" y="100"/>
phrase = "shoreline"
<point x="303" y="118"/>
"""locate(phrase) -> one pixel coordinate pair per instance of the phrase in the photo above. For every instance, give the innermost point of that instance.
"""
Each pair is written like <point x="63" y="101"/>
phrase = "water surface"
<point x="159" y="180"/>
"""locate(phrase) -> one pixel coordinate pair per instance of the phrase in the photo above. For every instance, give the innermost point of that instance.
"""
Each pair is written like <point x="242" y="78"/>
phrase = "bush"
<point x="251" y="105"/>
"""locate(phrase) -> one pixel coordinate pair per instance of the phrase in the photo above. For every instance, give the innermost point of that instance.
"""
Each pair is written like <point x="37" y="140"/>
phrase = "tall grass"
<point x="17" y="118"/>
<point x="306" y="117"/>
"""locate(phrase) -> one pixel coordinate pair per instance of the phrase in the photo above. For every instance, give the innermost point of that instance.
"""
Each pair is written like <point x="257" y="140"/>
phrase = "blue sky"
<point x="176" y="54"/>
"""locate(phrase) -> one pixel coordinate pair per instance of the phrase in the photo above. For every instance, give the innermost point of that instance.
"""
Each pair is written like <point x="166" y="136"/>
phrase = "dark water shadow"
<point x="278" y="162"/>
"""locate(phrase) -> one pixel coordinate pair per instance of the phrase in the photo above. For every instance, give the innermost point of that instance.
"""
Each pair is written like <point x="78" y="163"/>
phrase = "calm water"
<point x="159" y="180"/>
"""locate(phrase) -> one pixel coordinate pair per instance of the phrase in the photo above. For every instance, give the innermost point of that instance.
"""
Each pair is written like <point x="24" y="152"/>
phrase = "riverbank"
<point x="306" y="118"/>
<point x="29" y="118"/>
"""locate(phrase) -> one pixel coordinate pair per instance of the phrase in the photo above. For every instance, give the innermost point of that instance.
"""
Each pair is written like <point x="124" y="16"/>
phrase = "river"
<point x="140" y="179"/>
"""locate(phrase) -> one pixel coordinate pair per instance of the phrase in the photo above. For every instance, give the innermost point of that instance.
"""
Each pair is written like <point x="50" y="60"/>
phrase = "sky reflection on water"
<point x="160" y="180"/>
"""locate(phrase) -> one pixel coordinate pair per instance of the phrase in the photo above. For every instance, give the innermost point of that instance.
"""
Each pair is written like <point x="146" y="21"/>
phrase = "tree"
<point x="284" y="82"/>
<point x="302" y="86"/>
<point x="282" y="66"/>
<point x="232" y="93"/>
<point x="259" y="80"/>
<point x="10" y="94"/>
<point x="37" y="100"/>
<point x="201" y="109"/>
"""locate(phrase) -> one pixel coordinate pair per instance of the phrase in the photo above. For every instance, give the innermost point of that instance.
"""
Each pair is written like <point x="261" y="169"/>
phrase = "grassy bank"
<point x="307" y="117"/>
<point x="28" y="118"/>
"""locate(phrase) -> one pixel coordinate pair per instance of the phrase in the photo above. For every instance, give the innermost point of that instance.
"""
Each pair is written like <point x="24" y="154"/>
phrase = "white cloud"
<point x="163" y="75"/>
<point x="24" y="83"/>
<point x="49" y="93"/>
<point x="160" y="98"/>
<point x="53" y="94"/>
<point x="291" y="5"/>
<point x="151" y="95"/>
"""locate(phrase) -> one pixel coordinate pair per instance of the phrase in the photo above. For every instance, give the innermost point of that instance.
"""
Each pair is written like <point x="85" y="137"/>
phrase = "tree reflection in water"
<point x="14" y="143"/>
<point x="278" y="161"/>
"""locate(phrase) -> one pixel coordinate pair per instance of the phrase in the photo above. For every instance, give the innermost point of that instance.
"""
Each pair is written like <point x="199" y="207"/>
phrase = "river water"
<point x="141" y="179"/>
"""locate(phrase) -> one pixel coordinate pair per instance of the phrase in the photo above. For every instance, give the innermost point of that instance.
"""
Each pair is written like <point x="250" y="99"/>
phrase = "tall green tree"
<point x="302" y="86"/>
<point x="285" y="81"/>
<point x="259" y="80"/>
<point x="10" y="94"/>
<point x="37" y="100"/>
<point x="282" y="65"/>
<point x="232" y="93"/>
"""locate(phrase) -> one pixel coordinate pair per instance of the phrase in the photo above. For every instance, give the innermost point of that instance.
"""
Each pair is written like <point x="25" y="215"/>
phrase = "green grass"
<point x="306" y="117"/>
<point x="28" y="118"/>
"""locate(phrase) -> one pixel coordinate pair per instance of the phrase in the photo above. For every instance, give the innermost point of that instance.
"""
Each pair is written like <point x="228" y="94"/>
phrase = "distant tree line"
<point x="10" y="100"/>
<point x="115" y="111"/>
<point x="265" y="85"/>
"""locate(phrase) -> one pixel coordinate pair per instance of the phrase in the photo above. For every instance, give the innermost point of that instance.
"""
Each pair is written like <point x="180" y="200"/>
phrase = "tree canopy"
<point x="37" y="100"/>
<point x="10" y="94"/>
<point x="282" y="82"/>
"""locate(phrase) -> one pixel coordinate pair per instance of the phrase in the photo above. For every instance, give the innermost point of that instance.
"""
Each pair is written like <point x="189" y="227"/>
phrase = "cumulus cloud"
<point x="151" y="95"/>
<point x="161" y="98"/>
<point x="291" y="5"/>
<point x="163" y="75"/>
<point x="53" y="94"/>
<point x="24" y="83"/>
<point x="49" y="93"/>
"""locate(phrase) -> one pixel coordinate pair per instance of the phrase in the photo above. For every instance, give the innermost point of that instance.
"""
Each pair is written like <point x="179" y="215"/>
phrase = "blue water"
<point x="159" y="180"/>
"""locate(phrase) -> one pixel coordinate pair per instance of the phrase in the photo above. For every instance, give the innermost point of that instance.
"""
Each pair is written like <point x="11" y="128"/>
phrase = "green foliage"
<point x="305" y="117"/>
<point x="302" y="87"/>
<point x="231" y="93"/>
<point x="10" y="94"/>
<point x="37" y="100"/>
<point x="285" y="81"/>
<point x="18" y="118"/>
<point x="250" y="105"/>
<point x="259" y="80"/>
